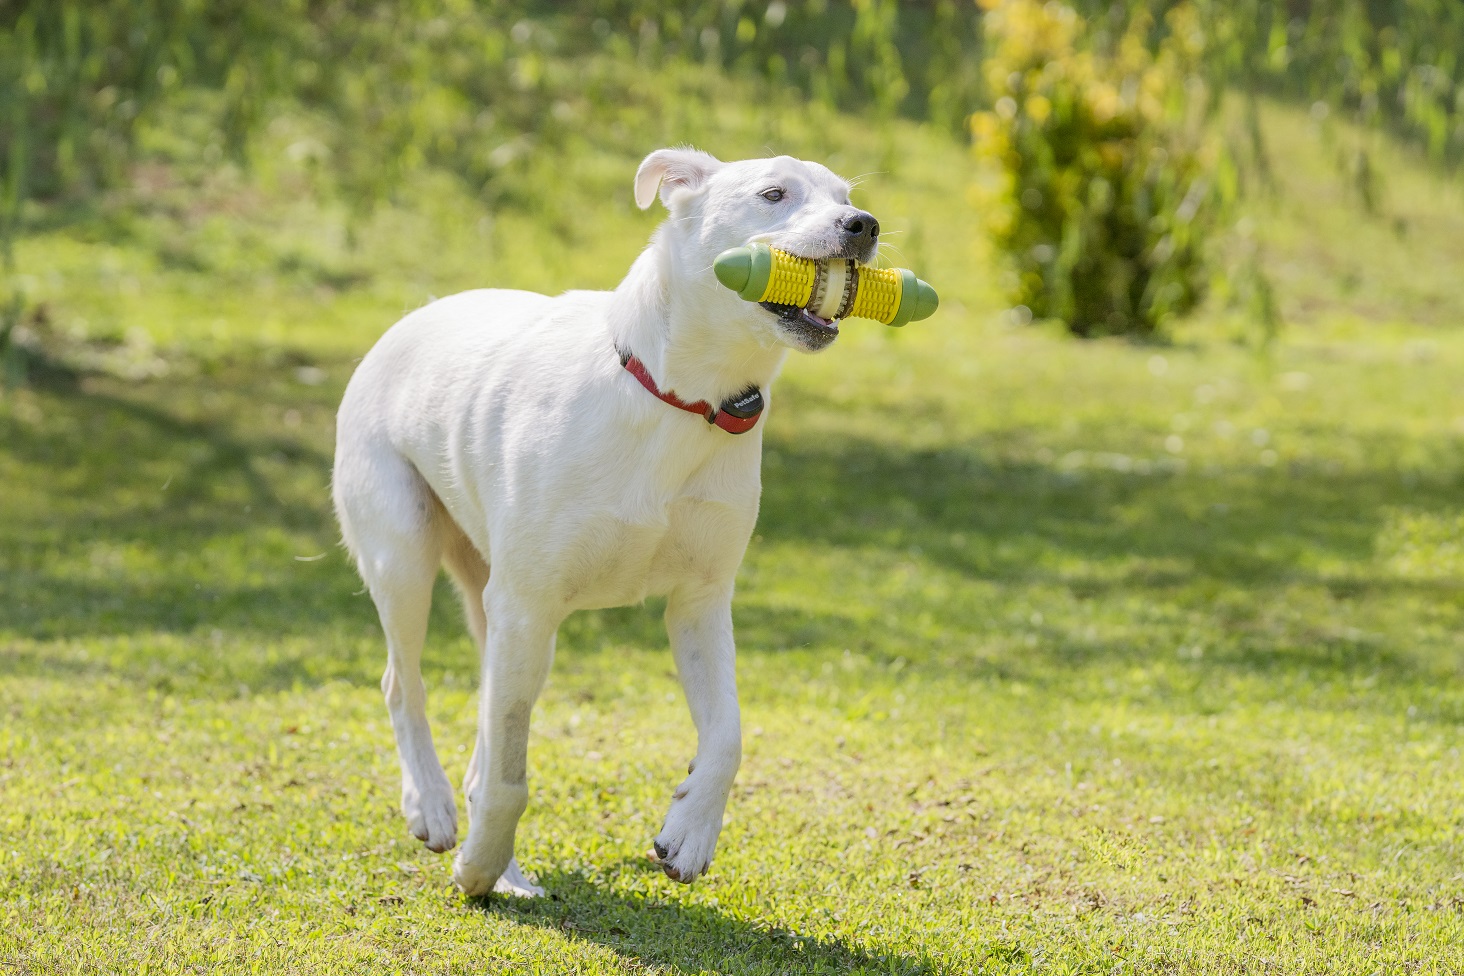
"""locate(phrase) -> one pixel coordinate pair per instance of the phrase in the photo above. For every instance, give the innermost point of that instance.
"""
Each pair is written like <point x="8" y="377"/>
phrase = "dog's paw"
<point x="513" y="882"/>
<point x="431" y="816"/>
<point x="485" y="858"/>
<point x="686" y="843"/>
<point x="474" y="878"/>
<point x="478" y="878"/>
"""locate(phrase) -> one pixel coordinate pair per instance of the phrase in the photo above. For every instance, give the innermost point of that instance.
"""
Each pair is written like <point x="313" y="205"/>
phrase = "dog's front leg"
<point x="516" y="657"/>
<point x="700" y="627"/>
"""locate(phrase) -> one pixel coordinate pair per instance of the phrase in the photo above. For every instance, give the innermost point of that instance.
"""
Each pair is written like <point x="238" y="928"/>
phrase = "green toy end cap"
<point x="734" y="267"/>
<point x="917" y="299"/>
<point x="926" y="300"/>
<point x="909" y="298"/>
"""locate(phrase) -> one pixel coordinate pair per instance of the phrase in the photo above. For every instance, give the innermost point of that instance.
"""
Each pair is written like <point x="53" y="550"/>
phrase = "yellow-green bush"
<point x="1098" y="181"/>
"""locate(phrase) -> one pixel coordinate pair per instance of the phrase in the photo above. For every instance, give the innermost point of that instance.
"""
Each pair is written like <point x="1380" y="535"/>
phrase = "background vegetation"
<point x="1056" y="656"/>
<point x="1104" y="192"/>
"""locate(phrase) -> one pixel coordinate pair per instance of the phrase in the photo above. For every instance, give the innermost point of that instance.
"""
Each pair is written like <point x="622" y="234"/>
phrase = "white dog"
<point x="541" y="437"/>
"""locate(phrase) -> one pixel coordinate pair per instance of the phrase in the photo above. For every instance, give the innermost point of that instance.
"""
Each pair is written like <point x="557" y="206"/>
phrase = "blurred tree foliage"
<point x="1101" y="189"/>
<point x="1393" y="63"/>
<point x="463" y="84"/>
<point x="452" y="81"/>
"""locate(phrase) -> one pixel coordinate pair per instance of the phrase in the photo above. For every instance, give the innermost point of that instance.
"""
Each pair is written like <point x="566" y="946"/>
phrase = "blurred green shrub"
<point x="1098" y="184"/>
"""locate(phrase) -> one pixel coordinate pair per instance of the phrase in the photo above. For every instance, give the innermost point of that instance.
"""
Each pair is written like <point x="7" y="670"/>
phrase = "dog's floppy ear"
<point x="671" y="170"/>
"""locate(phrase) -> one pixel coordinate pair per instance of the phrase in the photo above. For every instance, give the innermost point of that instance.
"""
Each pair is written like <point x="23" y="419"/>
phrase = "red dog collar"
<point x="736" y="415"/>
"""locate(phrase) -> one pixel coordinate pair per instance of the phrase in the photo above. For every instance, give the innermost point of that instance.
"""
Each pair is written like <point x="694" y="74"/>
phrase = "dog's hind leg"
<point x="392" y="525"/>
<point x="469" y="572"/>
<point x="517" y="653"/>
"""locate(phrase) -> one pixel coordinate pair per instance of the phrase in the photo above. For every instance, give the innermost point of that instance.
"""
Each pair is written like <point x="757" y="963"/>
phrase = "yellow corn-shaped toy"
<point x="831" y="289"/>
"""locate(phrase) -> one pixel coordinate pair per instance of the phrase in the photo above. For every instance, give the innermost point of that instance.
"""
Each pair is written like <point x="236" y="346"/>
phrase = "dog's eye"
<point x="773" y="195"/>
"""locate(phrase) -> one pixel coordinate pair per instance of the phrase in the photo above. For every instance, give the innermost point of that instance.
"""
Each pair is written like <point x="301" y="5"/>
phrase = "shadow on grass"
<point x="694" y="938"/>
<point x="214" y="463"/>
<point x="968" y="509"/>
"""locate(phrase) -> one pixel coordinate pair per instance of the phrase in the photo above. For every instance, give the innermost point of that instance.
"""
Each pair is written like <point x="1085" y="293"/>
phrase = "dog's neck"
<point x="692" y="339"/>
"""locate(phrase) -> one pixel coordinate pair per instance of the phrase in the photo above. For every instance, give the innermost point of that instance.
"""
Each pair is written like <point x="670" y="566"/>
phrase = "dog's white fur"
<point x="497" y="428"/>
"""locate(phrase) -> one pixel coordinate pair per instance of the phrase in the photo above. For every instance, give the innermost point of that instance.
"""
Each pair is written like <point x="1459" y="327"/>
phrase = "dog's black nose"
<point x="859" y="228"/>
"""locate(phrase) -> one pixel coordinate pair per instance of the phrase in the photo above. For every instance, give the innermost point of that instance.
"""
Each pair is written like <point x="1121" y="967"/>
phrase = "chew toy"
<point x="830" y="289"/>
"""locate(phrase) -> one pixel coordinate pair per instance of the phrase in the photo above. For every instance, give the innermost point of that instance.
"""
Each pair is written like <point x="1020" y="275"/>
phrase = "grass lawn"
<point x="1054" y="657"/>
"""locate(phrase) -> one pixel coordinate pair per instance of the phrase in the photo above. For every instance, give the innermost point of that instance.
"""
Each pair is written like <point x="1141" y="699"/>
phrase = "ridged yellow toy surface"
<point x="879" y="294"/>
<point x="790" y="280"/>
<point x="831" y="289"/>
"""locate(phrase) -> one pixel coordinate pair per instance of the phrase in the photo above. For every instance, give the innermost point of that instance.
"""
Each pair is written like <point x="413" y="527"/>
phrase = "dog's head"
<point x="797" y="206"/>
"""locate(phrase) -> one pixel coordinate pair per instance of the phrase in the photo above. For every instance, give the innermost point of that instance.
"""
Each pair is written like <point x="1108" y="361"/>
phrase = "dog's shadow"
<point x="645" y="930"/>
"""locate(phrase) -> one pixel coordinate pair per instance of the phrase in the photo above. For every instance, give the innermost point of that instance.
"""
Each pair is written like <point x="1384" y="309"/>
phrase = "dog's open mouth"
<point x="814" y="331"/>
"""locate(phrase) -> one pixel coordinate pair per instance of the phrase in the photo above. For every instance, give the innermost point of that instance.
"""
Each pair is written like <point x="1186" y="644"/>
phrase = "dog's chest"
<point x="617" y="561"/>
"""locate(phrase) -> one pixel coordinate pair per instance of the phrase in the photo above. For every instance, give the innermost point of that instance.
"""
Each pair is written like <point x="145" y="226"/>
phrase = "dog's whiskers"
<point x="884" y="259"/>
